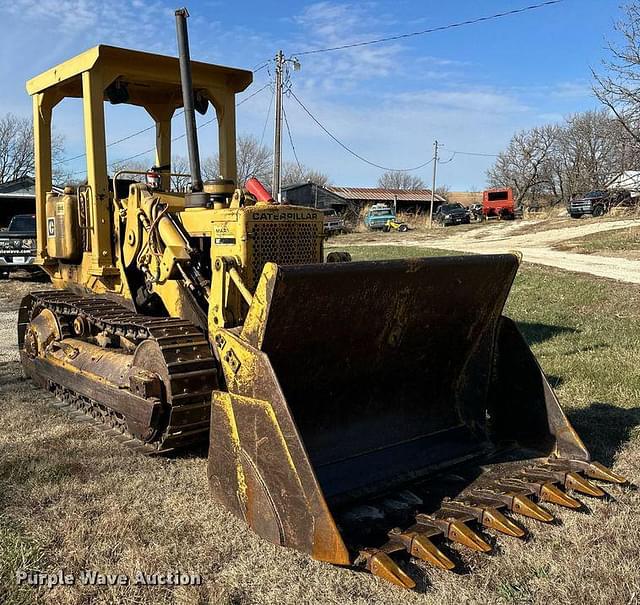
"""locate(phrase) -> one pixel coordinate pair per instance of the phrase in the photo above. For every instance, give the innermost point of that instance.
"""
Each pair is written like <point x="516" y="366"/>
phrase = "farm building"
<point x="313" y="195"/>
<point x="17" y="197"/>
<point x="343" y="198"/>
<point x="405" y="200"/>
<point x="629" y="179"/>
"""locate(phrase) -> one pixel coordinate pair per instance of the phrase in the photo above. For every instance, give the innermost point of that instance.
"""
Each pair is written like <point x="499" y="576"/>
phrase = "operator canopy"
<point x="139" y="78"/>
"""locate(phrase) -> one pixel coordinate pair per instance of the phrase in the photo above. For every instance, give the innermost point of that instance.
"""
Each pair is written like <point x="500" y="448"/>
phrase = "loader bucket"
<point x="360" y="395"/>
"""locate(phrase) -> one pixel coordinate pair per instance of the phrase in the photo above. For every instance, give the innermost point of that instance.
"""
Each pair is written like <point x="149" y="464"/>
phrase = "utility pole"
<point x="433" y="184"/>
<point x="277" y="137"/>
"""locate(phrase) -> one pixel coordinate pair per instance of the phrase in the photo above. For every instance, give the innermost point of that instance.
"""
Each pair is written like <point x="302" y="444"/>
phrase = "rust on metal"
<point x="382" y="565"/>
<point x="456" y="531"/>
<point x="552" y="493"/>
<point x="494" y="519"/>
<point x="579" y="484"/>
<point x="595" y="470"/>
<point x="420" y="546"/>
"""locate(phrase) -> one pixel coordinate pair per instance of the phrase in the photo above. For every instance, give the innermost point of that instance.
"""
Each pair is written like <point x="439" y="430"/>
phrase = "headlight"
<point x="447" y="216"/>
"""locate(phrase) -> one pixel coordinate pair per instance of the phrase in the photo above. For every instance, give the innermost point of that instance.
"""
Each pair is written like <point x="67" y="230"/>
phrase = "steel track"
<point x="191" y="369"/>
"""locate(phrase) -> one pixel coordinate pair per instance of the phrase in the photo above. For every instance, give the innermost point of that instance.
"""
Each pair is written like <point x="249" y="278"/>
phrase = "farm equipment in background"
<point x="178" y="318"/>
<point x="394" y="224"/>
<point x="498" y="203"/>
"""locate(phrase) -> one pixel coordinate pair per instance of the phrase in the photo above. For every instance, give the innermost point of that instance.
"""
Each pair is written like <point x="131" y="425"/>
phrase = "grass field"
<point x="71" y="498"/>
<point x="619" y="242"/>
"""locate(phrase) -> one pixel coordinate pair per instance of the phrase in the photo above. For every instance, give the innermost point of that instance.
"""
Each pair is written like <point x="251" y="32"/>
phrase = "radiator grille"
<point x="282" y="243"/>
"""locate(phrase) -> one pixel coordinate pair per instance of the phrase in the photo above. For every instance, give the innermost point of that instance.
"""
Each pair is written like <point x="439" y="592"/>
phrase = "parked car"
<point x="333" y="223"/>
<point x="498" y="203"/>
<point x="598" y="202"/>
<point x="378" y="215"/>
<point x="18" y="245"/>
<point x="452" y="214"/>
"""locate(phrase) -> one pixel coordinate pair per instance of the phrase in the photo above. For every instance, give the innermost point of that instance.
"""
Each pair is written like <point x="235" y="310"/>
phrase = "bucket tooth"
<point x="382" y="565"/>
<point x="423" y="548"/>
<point x="527" y="507"/>
<point x="461" y="533"/>
<point x="494" y="519"/>
<point x="595" y="470"/>
<point x="552" y="493"/>
<point x="578" y="483"/>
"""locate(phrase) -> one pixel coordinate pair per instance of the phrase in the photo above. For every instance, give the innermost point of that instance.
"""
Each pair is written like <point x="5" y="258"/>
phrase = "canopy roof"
<point x="149" y="78"/>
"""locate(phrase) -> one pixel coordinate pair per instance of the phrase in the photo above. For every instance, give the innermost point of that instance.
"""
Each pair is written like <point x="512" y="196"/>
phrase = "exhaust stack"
<point x="199" y="199"/>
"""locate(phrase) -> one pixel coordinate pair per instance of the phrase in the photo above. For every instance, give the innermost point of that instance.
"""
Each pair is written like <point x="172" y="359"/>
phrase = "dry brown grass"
<point x="623" y="243"/>
<point x="72" y="498"/>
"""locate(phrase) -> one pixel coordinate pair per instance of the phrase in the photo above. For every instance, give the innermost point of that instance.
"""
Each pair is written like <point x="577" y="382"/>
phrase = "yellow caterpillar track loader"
<point x="364" y="413"/>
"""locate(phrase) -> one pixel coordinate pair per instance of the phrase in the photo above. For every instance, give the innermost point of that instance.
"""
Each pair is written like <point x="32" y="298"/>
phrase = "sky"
<point x="469" y="87"/>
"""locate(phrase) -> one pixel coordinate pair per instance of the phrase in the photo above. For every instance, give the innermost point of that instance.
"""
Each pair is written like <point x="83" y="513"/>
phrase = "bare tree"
<point x="293" y="173"/>
<point x="16" y="148"/>
<point x="396" y="179"/>
<point x="556" y="162"/>
<point x="180" y="165"/>
<point x="617" y="86"/>
<point x="253" y="159"/>
<point x="210" y="167"/>
<point x="443" y="191"/>
<point x="524" y="165"/>
<point x="135" y="165"/>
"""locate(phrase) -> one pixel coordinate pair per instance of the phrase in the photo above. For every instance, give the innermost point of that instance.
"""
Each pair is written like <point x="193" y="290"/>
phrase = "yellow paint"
<point x="153" y="82"/>
<point x="267" y="408"/>
<point x="224" y="402"/>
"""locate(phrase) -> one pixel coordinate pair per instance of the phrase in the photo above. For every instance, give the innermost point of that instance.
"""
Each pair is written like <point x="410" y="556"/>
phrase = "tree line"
<point x="555" y="162"/>
<point x="253" y="160"/>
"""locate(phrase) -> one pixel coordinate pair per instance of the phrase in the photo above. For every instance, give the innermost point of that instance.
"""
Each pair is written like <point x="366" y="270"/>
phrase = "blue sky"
<point x="469" y="87"/>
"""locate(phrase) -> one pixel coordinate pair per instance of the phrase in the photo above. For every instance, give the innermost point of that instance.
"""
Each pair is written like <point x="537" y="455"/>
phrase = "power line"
<point x="126" y="138"/>
<point x="431" y="30"/>
<point x="293" y="147"/>
<point x="266" y="120"/>
<point x="260" y="66"/>
<point x="349" y="150"/>
<point x="454" y="153"/>
<point x="486" y="155"/>
<point x="138" y="132"/>
<point x="182" y="136"/>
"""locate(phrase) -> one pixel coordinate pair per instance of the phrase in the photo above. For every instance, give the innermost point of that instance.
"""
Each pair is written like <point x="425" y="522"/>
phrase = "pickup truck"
<point x="381" y="216"/>
<point x="332" y="222"/>
<point x="452" y="214"/>
<point x="18" y="245"/>
<point x="598" y="202"/>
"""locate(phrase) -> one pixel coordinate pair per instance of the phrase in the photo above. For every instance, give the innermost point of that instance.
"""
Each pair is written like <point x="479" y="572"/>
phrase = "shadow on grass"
<point x="536" y="333"/>
<point x="605" y="428"/>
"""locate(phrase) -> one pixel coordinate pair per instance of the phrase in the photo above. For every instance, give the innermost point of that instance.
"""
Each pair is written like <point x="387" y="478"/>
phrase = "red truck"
<point x="499" y="203"/>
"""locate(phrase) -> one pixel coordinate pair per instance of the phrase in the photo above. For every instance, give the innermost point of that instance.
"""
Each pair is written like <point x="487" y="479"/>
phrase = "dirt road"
<point x="534" y="239"/>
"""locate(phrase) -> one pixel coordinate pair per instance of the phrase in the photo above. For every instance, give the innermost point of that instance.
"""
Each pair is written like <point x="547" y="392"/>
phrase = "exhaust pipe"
<point x="197" y="197"/>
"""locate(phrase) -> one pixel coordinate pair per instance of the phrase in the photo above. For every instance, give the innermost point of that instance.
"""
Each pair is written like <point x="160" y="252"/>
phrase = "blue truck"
<point x="381" y="216"/>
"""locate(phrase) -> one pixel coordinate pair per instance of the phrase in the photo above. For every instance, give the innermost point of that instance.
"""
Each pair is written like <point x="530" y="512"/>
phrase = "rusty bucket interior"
<point x="386" y="367"/>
